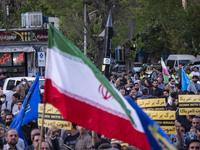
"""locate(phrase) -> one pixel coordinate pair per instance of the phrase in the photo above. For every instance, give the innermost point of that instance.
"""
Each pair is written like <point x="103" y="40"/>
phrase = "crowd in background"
<point x="53" y="138"/>
<point x="133" y="86"/>
<point x="141" y="85"/>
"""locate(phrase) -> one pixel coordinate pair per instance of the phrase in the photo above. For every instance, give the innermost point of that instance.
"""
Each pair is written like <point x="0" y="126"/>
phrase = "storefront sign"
<point x="41" y="59"/>
<point x="23" y="35"/>
<point x="7" y="59"/>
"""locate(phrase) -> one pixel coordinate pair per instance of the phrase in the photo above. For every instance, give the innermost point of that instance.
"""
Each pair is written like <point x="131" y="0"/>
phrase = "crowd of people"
<point x="52" y="138"/>
<point x="133" y="86"/>
<point x="138" y="86"/>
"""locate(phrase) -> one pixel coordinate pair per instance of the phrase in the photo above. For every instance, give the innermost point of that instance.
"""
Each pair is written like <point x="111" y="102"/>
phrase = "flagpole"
<point x="41" y="131"/>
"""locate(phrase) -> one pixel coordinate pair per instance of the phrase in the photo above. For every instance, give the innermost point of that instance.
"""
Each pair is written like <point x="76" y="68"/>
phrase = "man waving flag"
<point x="165" y="72"/>
<point x="85" y="97"/>
<point x="29" y="109"/>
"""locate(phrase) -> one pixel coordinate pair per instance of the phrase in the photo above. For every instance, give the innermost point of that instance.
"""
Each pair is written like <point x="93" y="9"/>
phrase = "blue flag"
<point x="29" y="109"/>
<point x="157" y="138"/>
<point x="185" y="81"/>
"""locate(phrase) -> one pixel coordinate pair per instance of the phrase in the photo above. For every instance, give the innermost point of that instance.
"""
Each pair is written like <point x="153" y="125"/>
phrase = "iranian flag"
<point x="165" y="72"/>
<point x="85" y="97"/>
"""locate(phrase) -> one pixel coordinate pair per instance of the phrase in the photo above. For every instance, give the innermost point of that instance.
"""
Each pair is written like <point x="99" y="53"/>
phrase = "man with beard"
<point x="160" y="83"/>
<point x="137" y="90"/>
<point x="189" y="74"/>
<point x="119" y="81"/>
<point x="8" y="120"/>
<point x="22" y="88"/>
<point x="112" y="80"/>
<point x="171" y="85"/>
<point x="154" y="74"/>
<point x="196" y="71"/>
<point x="84" y="141"/>
<point x="20" y="143"/>
<point x="122" y="91"/>
<point x="145" y="93"/>
<point x="35" y="141"/>
<point x="154" y="90"/>
<point x="178" y="80"/>
<point x="12" y="139"/>
<point x="70" y="136"/>
<point x="29" y="131"/>
<point x="2" y="133"/>
<point x="14" y="106"/>
<point x="179" y="71"/>
<point x="146" y="77"/>
<point x="194" y="86"/>
<point x="131" y="96"/>
<point x="2" y="76"/>
<point x="129" y="86"/>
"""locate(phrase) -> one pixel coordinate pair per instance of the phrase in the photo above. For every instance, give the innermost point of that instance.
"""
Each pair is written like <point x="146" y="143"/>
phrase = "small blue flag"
<point x="29" y="109"/>
<point x="185" y="81"/>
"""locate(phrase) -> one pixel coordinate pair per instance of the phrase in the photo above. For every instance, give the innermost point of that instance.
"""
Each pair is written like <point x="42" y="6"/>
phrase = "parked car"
<point x="149" y="68"/>
<point x="173" y="61"/>
<point x="144" y="66"/>
<point x="194" y="62"/>
<point x="9" y="82"/>
<point x="137" y="66"/>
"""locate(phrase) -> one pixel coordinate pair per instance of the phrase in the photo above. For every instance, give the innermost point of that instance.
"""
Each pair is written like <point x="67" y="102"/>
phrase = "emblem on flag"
<point x="105" y="94"/>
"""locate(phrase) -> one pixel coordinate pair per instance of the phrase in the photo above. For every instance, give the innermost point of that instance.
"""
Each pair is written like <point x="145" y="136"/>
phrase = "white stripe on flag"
<point x="79" y="81"/>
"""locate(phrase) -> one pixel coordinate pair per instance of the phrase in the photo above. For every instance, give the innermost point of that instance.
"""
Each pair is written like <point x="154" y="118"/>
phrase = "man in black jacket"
<point x="154" y="90"/>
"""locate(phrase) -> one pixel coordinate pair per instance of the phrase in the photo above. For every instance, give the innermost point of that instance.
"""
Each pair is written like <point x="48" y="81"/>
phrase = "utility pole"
<point x="85" y="31"/>
<point x="184" y="3"/>
<point x="108" y="45"/>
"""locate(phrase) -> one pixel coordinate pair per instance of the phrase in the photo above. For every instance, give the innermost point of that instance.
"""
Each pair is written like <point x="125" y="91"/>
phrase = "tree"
<point x="8" y="15"/>
<point x="71" y="17"/>
<point x="15" y="8"/>
<point x="164" y="26"/>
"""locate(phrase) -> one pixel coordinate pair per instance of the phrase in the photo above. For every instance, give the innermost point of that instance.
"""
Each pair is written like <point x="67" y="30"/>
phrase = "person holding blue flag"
<point x="185" y="81"/>
<point x="194" y="86"/>
<point x="29" y="109"/>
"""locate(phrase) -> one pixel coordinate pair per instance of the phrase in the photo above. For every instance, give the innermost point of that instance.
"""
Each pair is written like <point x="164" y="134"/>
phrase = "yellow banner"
<point x="189" y="111"/>
<point x="165" y="119"/>
<point x="52" y="117"/>
<point x="161" y="115"/>
<point x="160" y="102"/>
<point x="189" y="98"/>
<point x="169" y="129"/>
<point x="154" y="109"/>
<point x="59" y="124"/>
<point x="189" y="104"/>
<point x="166" y="122"/>
<point x="48" y="109"/>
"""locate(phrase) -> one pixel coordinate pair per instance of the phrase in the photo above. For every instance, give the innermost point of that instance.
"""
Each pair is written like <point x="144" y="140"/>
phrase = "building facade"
<point x="19" y="50"/>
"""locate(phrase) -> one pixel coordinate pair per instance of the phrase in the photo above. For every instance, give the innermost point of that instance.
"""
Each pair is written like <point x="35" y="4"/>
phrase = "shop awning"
<point x="27" y="49"/>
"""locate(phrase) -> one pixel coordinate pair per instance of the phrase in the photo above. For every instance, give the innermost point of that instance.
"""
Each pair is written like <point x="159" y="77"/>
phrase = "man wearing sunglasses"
<point x="171" y="85"/>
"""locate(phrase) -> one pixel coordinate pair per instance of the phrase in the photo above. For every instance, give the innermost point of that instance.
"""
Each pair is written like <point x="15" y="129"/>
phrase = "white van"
<point x="9" y="82"/>
<point x="173" y="61"/>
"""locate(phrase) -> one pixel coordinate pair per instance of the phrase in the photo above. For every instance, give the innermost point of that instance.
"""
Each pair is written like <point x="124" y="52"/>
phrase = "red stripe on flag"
<point x="95" y="119"/>
<point x="165" y="71"/>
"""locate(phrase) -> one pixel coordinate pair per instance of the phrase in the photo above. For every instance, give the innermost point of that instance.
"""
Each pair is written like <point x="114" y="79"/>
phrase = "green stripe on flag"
<point x="166" y="78"/>
<point x="57" y="39"/>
